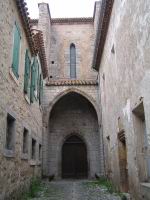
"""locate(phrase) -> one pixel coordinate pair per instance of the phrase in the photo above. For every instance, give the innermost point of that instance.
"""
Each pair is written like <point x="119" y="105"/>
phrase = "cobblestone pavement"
<point x="73" y="190"/>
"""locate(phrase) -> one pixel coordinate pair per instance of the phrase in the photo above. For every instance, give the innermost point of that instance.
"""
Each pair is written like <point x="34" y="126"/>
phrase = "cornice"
<point x="105" y="14"/>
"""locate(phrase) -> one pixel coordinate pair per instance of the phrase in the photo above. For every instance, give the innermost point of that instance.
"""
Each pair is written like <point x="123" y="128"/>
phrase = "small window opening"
<point x="51" y="76"/>
<point x="52" y="62"/>
<point x="10" y="132"/>
<point x="25" y="141"/>
<point x="40" y="151"/>
<point x="113" y="49"/>
<point x="103" y="77"/>
<point x="33" y="153"/>
<point x="72" y="61"/>
<point x="108" y="138"/>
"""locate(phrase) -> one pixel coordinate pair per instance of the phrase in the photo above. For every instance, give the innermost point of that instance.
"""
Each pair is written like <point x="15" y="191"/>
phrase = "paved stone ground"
<point x="73" y="190"/>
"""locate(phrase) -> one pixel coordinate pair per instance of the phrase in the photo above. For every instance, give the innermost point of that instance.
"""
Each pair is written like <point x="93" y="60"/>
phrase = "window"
<point x="16" y="50"/>
<point x="27" y="74"/>
<point x="34" y="88"/>
<point x="37" y="91"/>
<point x="10" y="132"/>
<point x="25" y="141"/>
<point x="33" y="149"/>
<point x="40" y="151"/>
<point x="40" y="89"/>
<point x="72" y="61"/>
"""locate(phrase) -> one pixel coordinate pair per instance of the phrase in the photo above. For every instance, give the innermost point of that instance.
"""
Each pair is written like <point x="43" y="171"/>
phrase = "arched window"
<point x="72" y="61"/>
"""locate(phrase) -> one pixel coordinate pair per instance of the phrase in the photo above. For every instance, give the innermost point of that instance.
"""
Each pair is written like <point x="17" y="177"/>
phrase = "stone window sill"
<point x="13" y="77"/>
<point x="24" y="156"/>
<point x="146" y="185"/>
<point x="9" y="153"/>
<point x="33" y="162"/>
<point x="27" y="98"/>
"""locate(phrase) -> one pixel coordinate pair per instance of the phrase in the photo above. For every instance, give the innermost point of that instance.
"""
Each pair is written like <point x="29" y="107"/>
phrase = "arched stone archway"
<point x="71" y="113"/>
<point x="58" y="96"/>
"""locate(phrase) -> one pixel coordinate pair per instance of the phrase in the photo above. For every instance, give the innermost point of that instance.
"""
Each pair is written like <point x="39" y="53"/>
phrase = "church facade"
<point x="74" y="98"/>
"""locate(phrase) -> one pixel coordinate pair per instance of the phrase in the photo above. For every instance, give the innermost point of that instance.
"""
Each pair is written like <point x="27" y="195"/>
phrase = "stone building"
<point x="70" y="102"/>
<point x="22" y="68"/>
<point x="92" y="115"/>
<point x="122" y="60"/>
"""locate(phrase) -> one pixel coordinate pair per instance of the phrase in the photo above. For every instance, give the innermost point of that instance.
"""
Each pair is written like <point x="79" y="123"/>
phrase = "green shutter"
<point x="35" y="74"/>
<point x="16" y="50"/>
<point x="32" y="82"/>
<point x="40" y="89"/>
<point x="27" y="73"/>
<point x="35" y="78"/>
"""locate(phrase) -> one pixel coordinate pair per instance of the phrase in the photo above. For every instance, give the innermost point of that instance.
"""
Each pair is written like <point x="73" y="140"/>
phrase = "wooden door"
<point x="74" y="158"/>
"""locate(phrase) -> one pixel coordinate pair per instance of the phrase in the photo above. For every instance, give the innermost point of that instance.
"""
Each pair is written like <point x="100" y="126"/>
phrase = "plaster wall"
<point x="124" y="82"/>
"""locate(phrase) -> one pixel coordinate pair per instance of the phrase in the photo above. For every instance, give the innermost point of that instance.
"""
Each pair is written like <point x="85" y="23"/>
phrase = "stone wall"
<point x="16" y="169"/>
<point x="62" y="36"/>
<point x="124" y="82"/>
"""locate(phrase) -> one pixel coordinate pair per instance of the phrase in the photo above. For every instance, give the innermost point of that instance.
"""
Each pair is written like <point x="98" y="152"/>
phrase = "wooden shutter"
<point x="72" y="61"/>
<point x="40" y="89"/>
<point x="38" y="84"/>
<point x="32" y="82"/>
<point x="27" y="73"/>
<point x="16" y="50"/>
<point x="35" y="75"/>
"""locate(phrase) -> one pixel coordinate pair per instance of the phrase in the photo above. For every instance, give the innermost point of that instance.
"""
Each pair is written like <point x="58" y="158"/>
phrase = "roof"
<point x="85" y="20"/>
<point x="105" y="14"/>
<point x="35" y="41"/>
<point x="67" y="82"/>
<point x="34" y="22"/>
<point x="72" y="20"/>
<point x="39" y="46"/>
<point x="95" y="5"/>
<point x="22" y="7"/>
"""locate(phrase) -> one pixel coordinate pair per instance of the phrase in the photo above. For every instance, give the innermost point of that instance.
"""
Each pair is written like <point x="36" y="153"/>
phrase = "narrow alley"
<point x="74" y="190"/>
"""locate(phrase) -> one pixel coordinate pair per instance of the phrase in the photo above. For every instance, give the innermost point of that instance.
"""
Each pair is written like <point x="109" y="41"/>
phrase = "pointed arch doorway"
<point x="74" y="158"/>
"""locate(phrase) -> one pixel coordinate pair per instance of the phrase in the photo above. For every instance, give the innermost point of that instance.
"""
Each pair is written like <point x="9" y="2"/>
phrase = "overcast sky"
<point x="63" y="8"/>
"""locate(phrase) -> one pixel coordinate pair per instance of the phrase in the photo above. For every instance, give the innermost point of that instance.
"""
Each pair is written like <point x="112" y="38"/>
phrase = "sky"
<point x="63" y="8"/>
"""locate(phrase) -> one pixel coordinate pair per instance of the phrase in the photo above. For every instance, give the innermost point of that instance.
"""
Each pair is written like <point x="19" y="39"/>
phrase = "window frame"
<point x="73" y="74"/>
<point x="27" y="77"/>
<point x="15" y="67"/>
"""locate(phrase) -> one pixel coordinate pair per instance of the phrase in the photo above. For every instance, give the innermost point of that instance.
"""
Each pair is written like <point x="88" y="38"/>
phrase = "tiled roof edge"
<point x="70" y="82"/>
<point x="23" y="10"/>
<point x="72" y="20"/>
<point x="40" y="49"/>
<point x="105" y="14"/>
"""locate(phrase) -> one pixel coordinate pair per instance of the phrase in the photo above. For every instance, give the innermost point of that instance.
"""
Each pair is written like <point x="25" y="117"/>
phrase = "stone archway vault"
<point x="81" y="116"/>
<point x="51" y="104"/>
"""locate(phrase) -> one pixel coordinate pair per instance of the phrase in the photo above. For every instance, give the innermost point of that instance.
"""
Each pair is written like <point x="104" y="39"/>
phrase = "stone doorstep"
<point x="146" y="185"/>
<point x="145" y="189"/>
